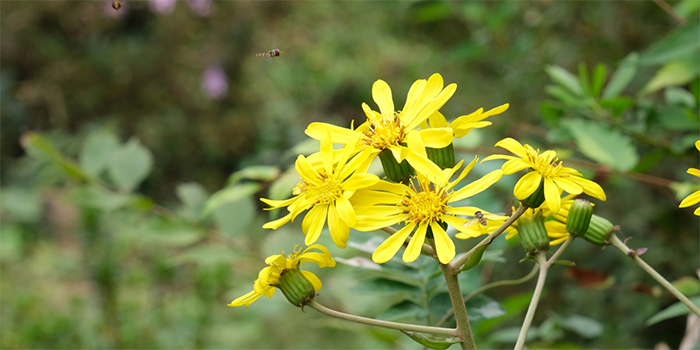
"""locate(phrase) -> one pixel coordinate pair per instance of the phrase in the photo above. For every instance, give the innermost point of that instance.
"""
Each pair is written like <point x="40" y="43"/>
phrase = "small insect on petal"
<point x="116" y="5"/>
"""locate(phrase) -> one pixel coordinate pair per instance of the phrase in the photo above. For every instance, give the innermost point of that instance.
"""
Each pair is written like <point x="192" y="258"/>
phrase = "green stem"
<point x="650" y="270"/>
<point x="560" y="250"/>
<point x="542" y="261"/>
<point x="378" y="323"/>
<point x="456" y="265"/>
<point x="487" y="287"/>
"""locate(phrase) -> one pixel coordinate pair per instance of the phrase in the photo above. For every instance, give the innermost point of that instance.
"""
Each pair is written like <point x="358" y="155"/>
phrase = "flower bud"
<point x="599" y="231"/>
<point x="536" y="198"/>
<point x="394" y="171"/>
<point x="579" y="217"/>
<point x="533" y="234"/>
<point x="296" y="287"/>
<point x="443" y="157"/>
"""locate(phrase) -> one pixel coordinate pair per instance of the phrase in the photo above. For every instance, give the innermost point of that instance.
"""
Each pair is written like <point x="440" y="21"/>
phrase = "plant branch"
<point x="379" y="323"/>
<point x="425" y="250"/>
<point x="456" y="265"/>
<point x="666" y="7"/>
<point x="487" y="287"/>
<point x="650" y="270"/>
<point x="560" y="251"/>
<point x="464" y="330"/>
<point x="542" y="262"/>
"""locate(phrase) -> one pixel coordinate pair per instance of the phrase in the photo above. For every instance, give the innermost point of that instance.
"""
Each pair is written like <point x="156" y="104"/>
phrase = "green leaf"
<point x="19" y="204"/>
<point x="583" y="79"/>
<point x="40" y="148"/>
<point x="550" y="113"/>
<point x="162" y="232"/>
<point x="583" y="326"/>
<point x="405" y="311"/>
<point x="130" y="165"/>
<point x="687" y="285"/>
<point x="282" y="188"/>
<point x="475" y="258"/>
<point x="681" y="42"/>
<point x="564" y="96"/>
<point x="598" y="79"/>
<point x="687" y="8"/>
<point x="622" y="76"/>
<point x="258" y="172"/>
<point x="193" y="196"/>
<point x="432" y="341"/>
<point x="617" y="104"/>
<point x="565" y="79"/>
<point x="98" y="150"/>
<point x="675" y="310"/>
<point x="510" y="335"/>
<point x="235" y="217"/>
<point x="684" y="143"/>
<point x="605" y="146"/>
<point x="228" y="195"/>
<point x="482" y="307"/>
<point x="101" y="198"/>
<point x="675" y="118"/>
<point x="675" y="73"/>
<point x="382" y="286"/>
<point x="679" y="97"/>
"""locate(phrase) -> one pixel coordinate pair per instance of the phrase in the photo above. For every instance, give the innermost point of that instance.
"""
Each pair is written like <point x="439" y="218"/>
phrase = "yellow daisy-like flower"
<point x="389" y="128"/>
<point x="555" y="229"/>
<point x="422" y="205"/>
<point x="464" y="124"/>
<point x="694" y="197"/>
<point x="326" y="190"/>
<point x="544" y="168"/>
<point x="269" y="277"/>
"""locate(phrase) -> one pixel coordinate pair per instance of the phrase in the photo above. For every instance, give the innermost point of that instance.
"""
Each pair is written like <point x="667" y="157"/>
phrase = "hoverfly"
<point x="116" y="4"/>
<point x="271" y="53"/>
<point x="480" y="218"/>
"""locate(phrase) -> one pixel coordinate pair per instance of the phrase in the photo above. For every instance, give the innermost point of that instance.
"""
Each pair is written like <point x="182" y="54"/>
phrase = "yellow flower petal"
<point x="514" y="165"/>
<point x="358" y="181"/>
<point x="436" y="137"/>
<point x="313" y="222"/>
<point x="697" y="144"/>
<point x="589" y="187"/>
<point x="527" y="185"/>
<point x="552" y="195"/>
<point x="391" y="245"/>
<point x="327" y="152"/>
<point x="498" y="156"/>
<point x="415" y="143"/>
<point x="381" y="92"/>
<point x="413" y="93"/>
<point x="477" y="186"/>
<point x="275" y="204"/>
<point x="431" y="107"/>
<point x="246" y="299"/>
<point x="345" y="211"/>
<point x="567" y="185"/>
<point x="338" y="135"/>
<point x="694" y="172"/>
<point x="315" y="281"/>
<point x="697" y="211"/>
<point x="279" y="222"/>
<point x="437" y="120"/>
<point x="468" y="211"/>
<point x="372" y="223"/>
<point x="425" y="166"/>
<point x="340" y="231"/>
<point x="693" y="198"/>
<point x="513" y="146"/>
<point x="443" y="244"/>
<point x="416" y="244"/>
<point x="306" y="171"/>
<point x="455" y="222"/>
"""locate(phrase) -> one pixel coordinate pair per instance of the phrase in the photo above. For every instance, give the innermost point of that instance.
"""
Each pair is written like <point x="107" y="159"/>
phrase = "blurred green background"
<point x="135" y="144"/>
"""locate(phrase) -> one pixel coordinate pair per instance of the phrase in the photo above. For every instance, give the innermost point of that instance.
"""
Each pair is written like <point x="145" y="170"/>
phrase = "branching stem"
<point x="542" y="262"/>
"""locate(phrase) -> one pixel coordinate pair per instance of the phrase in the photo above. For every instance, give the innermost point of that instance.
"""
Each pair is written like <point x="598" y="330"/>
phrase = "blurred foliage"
<point x="129" y="192"/>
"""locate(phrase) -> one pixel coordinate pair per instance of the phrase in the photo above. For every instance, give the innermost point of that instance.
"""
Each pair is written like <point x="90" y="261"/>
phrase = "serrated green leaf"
<point x="98" y="150"/>
<point x="130" y="165"/>
<point x="383" y="286"/>
<point x="674" y="73"/>
<point x="481" y="307"/>
<point x="257" y="172"/>
<point x="565" y="79"/>
<point x="680" y="43"/>
<point x="40" y="148"/>
<point x="582" y="325"/>
<point x="605" y="146"/>
<point x="564" y="96"/>
<point x="193" y="196"/>
<point x="622" y="76"/>
<point x="228" y="195"/>
<point x="617" y="104"/>
<point x="675" y="310"/>
<point x="598" y="82"/>
<point x="431" y="341"/>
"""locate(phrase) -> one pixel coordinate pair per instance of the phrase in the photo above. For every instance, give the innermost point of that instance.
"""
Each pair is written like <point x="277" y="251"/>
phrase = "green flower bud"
<point x="536" y="198"/>
<point x="579" y="217"/>
<point x="443" y="157"/>
<point x="599" y="231"/>
<point x="296" y="287"/>
<point x="394" y="171"/>
<point x="533" y="234"/>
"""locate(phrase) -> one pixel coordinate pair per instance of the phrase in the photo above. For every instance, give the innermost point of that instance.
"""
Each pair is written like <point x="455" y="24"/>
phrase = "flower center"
<point x="327" y="192"/>
<point x="427" y="205"/>
<point x="385" y="132"/>
<point x="544" y="166"/>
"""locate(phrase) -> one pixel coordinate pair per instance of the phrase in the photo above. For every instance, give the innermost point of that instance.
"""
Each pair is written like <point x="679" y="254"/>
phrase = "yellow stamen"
<point x="427" y="205"/>
<point x="327" y="192"/>
<point x="385" y="132"/>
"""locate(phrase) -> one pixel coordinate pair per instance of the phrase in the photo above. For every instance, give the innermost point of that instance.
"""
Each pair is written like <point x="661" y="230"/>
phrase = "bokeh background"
<point x="135" y="144"/>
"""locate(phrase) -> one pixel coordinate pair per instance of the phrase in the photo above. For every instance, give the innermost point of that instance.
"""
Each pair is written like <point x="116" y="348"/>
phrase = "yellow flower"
<point x="268" y="278"/>
<point x="325" y="190"/>
<point x="464" y="124"/>
<point x="694" y="197"/>
<point x="555" y="229"/>
<point x="423" y="204"/>
<point x="544" y="168"/>
<point x="388" y="129"/>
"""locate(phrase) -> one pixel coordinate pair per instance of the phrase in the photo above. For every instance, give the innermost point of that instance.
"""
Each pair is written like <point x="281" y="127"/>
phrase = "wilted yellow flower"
<point x="269" y="277"/>
<point x="694" y="197"/>
<point x="389" y="128"/>
<point x="544" y="168"/>
<point x="326" y="190"/>
<point x="422" y="205"/>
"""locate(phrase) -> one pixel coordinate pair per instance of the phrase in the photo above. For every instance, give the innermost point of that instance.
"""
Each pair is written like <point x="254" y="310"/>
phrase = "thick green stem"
<point x="460" y="310"/>
<point x="650" y="270"/>
<point x="379" y="323"/>
<point x="456" y="265"/>
<point x="542" y="261"/>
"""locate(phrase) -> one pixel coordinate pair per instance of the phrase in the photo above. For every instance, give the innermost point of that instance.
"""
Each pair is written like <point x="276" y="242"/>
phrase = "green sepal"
<point x="443" y="157"/>
<point x="475" y="258"/>
<point x="533" y="234"/>
<point x="579" y="217"/>
<point x="394" y="171"/>
<point x="296" y="287"/>
<point x="599" y="231"/>
<point x="536" y="198"/>
<point x="432" y="341"/>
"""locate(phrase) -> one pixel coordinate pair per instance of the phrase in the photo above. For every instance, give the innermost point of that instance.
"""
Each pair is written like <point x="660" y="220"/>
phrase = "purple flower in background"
<point x="214" y="82"/>
<point x="200" y="7"/>
<point x="162" y="6"/>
